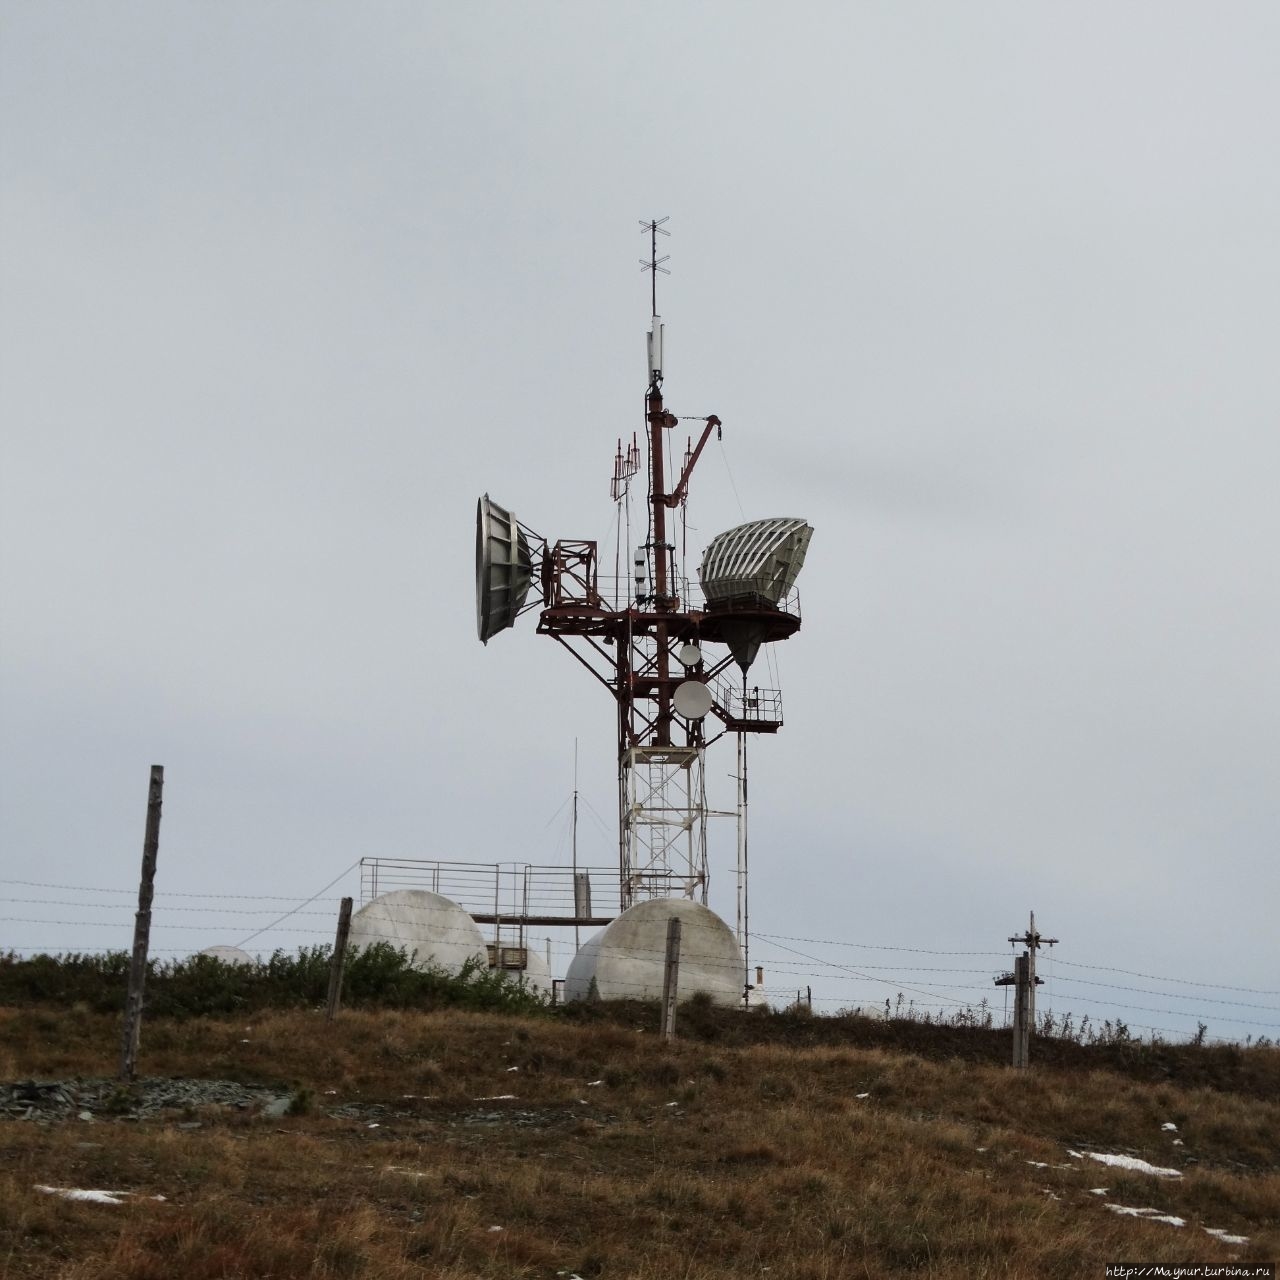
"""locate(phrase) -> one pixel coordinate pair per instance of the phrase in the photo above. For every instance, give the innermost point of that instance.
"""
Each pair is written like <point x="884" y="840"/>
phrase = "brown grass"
<point x="766" y="1164"/>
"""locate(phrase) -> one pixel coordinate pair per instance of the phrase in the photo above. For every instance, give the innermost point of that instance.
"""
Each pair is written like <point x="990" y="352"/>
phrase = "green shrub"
<point x="380" y="976"/>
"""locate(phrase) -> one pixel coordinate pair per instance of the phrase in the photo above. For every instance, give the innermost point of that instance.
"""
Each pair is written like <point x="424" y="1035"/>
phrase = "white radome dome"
<point x="627" y="958"/>
<point x="435" y="931"/>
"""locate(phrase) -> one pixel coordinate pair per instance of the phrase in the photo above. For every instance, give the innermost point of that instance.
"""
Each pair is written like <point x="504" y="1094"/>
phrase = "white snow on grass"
<point x="1099" y="1191"/>
<point x="74" y="1193"/>
<point x="93" y="1196"/>
<point x="1126" y="1162"/>
<point x="862" y="1095"/>
<point x="497" y="1097"/>
<point x="1149" y="1215"/>
<point x="1169" y="1127"/>
<point x="1226" y="1237"/>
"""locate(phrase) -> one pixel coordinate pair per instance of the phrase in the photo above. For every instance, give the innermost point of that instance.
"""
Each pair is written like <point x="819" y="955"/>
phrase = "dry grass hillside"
<point x="452" y="1144"/>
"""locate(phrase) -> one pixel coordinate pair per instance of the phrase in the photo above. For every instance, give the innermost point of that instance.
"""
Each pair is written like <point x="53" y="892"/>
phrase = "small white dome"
<point x="228" y="955"/>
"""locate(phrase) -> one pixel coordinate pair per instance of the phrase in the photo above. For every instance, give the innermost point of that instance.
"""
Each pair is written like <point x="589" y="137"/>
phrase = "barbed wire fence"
<point x="874" y="978"/>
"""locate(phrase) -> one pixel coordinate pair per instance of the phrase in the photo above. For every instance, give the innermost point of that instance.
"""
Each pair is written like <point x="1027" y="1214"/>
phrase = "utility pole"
<point x="1024" y="982"/>
<point x="1022" y="1016"/>
<point x="142" y="927"/>
<point x="1033" y="942"/>
<point x="1021" y="985"/>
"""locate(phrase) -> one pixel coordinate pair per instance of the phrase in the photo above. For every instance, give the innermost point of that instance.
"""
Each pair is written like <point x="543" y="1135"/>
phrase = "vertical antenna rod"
<point x="654" y="228"/>
<point x="577" y="939"/>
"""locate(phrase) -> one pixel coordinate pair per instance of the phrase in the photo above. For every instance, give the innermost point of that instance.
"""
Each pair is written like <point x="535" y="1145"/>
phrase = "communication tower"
<point x="662" y="645"/>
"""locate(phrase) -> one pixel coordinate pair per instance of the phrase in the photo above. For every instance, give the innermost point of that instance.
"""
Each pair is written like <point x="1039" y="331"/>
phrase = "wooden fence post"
<point x="142" y="928"/>
<point x="339" y="960"/>
<point x="671" y="980"/>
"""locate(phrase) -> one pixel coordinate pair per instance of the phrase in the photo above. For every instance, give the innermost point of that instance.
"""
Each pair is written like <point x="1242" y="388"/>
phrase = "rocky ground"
<point x="106" y="1100"/>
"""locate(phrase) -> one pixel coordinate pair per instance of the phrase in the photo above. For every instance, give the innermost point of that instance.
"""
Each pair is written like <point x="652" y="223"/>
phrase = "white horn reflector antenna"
<point x="761" y="559"/>
<point x="504" y="568"/>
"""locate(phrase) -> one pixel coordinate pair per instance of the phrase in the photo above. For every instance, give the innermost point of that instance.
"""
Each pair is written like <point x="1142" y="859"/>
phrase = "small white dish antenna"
<point x="692" y="699"/>
<point x="690" y="655"/>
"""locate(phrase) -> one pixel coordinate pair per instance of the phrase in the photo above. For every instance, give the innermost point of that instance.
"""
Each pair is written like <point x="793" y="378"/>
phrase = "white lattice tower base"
<point x="663" y="800"/>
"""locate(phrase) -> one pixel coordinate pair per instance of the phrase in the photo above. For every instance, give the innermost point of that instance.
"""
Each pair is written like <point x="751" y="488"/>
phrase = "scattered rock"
<point x="106" y="1098"/>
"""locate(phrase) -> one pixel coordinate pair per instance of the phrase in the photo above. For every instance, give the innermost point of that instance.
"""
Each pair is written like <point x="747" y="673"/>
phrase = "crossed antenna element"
<point x="654" y="264"/>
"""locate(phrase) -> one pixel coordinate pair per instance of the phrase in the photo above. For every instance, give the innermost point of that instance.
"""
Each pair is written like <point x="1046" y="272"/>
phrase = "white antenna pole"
<point x="574" y="828"/>
<point x="743" y="931"/>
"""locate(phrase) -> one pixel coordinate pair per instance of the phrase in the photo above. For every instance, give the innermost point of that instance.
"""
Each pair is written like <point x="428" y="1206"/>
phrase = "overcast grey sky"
<point x="990" y="294"/>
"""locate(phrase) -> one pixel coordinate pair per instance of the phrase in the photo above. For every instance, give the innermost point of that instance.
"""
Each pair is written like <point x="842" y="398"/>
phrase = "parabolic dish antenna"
<point x="692" y="699"/>
<point x="504" y="568"/>
<point x="690" y="655"/>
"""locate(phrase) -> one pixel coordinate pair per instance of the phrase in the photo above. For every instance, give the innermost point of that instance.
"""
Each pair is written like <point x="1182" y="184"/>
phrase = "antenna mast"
<point x="649" y="645"/>
<point x="659" y="420"/>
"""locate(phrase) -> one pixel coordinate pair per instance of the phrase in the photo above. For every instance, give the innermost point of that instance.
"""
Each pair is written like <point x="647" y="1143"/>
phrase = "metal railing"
<point x="501" y="891"/>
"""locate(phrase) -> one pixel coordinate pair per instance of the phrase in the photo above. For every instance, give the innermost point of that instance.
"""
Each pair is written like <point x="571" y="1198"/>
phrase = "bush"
<point x="380" y="976"/>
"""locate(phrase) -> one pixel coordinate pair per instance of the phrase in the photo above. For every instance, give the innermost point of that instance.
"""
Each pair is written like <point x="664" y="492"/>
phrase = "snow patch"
<point x="1126" y="1162"/>
<point x="94" y="1196"/>
<point x="1169" y="1127"/>
<point x="497" y="1097"/>
<point x="1150" y="1215"/>
<point x="1218" y="1234"/>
